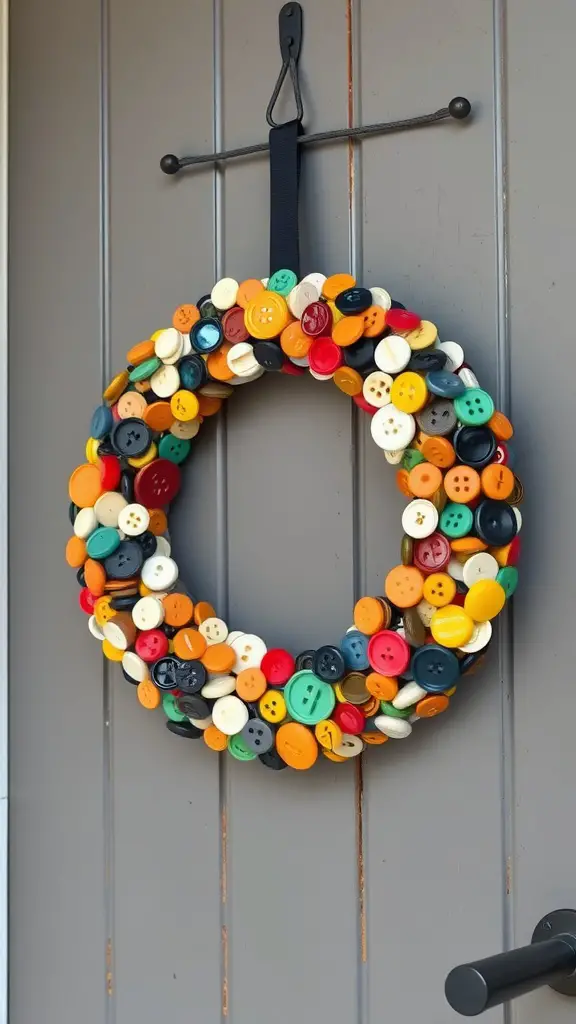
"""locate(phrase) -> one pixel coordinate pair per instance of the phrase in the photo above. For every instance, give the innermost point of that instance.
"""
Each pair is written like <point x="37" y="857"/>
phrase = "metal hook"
<point x="290" y="31"/>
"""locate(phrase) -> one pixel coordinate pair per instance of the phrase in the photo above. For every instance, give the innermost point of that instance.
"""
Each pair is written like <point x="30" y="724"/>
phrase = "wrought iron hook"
<point x="290" y="31"/>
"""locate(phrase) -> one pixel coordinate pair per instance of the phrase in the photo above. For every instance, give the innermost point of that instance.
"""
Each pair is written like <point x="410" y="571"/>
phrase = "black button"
<point x="128" y="677"/>
<point x="164" y="672"/>
<point x="269" y="355"/>
<point x="81" y="577"/>
<point x="353" y="300"/>
<point x="193" y="706"/>
<point x="127" y="484"/>
<point x="125" y="562"/>
<point x="258" y="736"/>
<point x="305" y="660"/>
<point x="360" y="355"/>
<point x="73" y="511"/>
<point x="170" y="631"/>
<point x="106" y="448"/>
<point x="272" y="759"/>
<point x="469" y="660"/>
<point x="495" y="522"/>
<point x="474" y="446"/>
<point x="124" y="603"/>
<point x="185" y="729"/>
<point x="397" y="305"/>
<point x="206" y="307"/>
<point x="193" y="372"/>
<point x="148" y="543"/>
<point x="191" y="677"/>
<point x="329" y="664"/>
<point x="426" y="362"/>
<point x="131" y="437"/>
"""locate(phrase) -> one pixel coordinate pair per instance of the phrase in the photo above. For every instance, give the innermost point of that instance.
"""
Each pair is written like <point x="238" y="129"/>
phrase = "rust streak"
<point x="109" y="975"/>
<point x="350" y="72"/>
<point x="224" y="856"/>
<point x="359" y="794"/>
<point x="224" y="971"/>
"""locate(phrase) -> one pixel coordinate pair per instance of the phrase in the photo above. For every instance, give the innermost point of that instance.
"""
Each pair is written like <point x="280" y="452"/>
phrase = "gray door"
<point x="149" y="882"/>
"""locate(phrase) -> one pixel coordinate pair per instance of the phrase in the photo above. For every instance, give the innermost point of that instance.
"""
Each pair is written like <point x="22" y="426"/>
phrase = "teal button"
<point x="239" y="750"/>
<point x="171" y="710"/>
<point x="474" y="407"/>
<point x="508" y="579"/>
<point x="456" y="520"/>
<point x="308" y="699"/>
<point x="412" y="457"/>
<point x="394" y="712"/>
<point x="145" y="370"/>
<point x="102" y="542"/>
<point x="176" y="449"/>
<point x="282" y="282"/>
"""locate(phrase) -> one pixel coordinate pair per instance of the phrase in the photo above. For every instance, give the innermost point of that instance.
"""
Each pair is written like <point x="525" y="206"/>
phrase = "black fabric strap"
<point x="284" y="184"/>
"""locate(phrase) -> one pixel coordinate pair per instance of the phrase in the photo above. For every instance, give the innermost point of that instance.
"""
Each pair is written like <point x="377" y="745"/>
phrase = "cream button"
<point x="392" y="354"/>
<point x="249" y="650"/>
<point x="380" y="297"/>
<point x="165" y="381"/>
<point x="225" y="293"/>
<point x="376" y="388"/>
<point x="419" y="518"/>
<point x="479" y="639"/>
<point x="242" y="361"/>
<point x="159" y="572"/>
<point x="134" y="519"/>
<point x="214" y="630"/>
<point x="349" y="746"/>
<point x="230" y="715"/>
<point x="392" y="429"/>
<point x="108" y="508"/>
<point x="136" y="668"/>
<point x="148" y="612"/>
<point x="301" y="296"/>
<point x="168" y="344"/>
<point x="219" y="686"/>
<point x="481" y="566"/>
<point x="85" y="523"/>
<point x="395" y="728"/>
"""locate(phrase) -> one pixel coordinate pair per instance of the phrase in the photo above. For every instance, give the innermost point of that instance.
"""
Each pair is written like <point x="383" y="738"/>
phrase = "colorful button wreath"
<point x="404" y="656"/>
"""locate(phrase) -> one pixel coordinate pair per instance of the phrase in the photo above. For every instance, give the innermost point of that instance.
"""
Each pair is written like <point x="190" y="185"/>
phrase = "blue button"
<point x="125" y="562"/>
<point x="435" y="668"/>
<point x="207" y="335"/>
<point x="353" y="300"/>
<point x="193" y="373"/>
<point x="329" y="664"/>
<point x="495" y="522"/>
<point x="474" y="446"/>
<point x="444" y="384"/>
<point x="102" y="422"/>
<point x="354" y="647"/>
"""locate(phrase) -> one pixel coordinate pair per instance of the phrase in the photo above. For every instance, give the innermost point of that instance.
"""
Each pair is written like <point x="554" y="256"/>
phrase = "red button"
<point x="234" y="326"/>
<point x="514" y="552"/>
<point x="432" y="554"/>
<point x="402" y="320"/>
<point x="361" y="402"/>
<point x="291" y="369"/>
<point x="87" y="601"/>
<point x="388" y="653"/>
<point x="278" y="665"/>
<point x="151" y="644"/>
<point x="325" y="356"/>
<point x="502" y="456"/>
<point x="349" y="718"/>
<point x="110" y="472"/>
<point x="157" y="483"/>
<point x="316" y="319"/>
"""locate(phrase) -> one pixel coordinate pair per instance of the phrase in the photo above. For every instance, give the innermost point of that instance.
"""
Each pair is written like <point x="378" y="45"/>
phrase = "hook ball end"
<point x="170" y="164"/>
<point x="459" y="107"/>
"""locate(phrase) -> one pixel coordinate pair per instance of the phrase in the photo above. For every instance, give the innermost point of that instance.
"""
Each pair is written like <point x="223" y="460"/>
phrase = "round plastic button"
<point x="224" y="293"/>
<point x="102" y="542"/>
<point x="238" y="749"/>
<point x="432" y="554"/>
<point x="324" y="356"/>
<point x="508" y="579"/>
<point x="350" y="719"/>
<point x="475" y="446"/>
<point x="157" y="483"/>
<point x="444" y="384"/>
<point x="266" y="315"/>
<point x="328" y="734"/>
<point x="230" y="715"/>
<point x="131" y="437"/>
<point x="282" y="281"/>
<point x="456" y="520"/>
<point x="175" y="449"/>
<point x="296" y="745"/>
<point x="462" y="484"/>
<point x="434" y="668"/>
<point x="451" y="626"/>
<point x="125" y="562"/>
<point x="392" y="354"/>
<point x="480" y="638"/>
<point x="159" y="572"/>
<point x="438" y="418"/>
<point x="409" y="392"/>
<point x="277" y="667"/>
<point x="495" y="522"/>
<point x="474" y="407"/>
<point x="329" y="664"/>
<point x="404" y="585"/>
<point x="439" y="589"/>
<point x="151" y="644"/>
<point x="354" y="647"/>
<point x="272" y="706"/>
<point x="480" y="566"/>
<point x="420" y="518"/>
<point x="257" y="735"/>
<point x="377" y="388"/>
<point x="484" y="600"/>
<point x="101" y="422"/>
<point x="392" y="429"/>
<point x="308" y="699"/>
<point x="388" y="653"/>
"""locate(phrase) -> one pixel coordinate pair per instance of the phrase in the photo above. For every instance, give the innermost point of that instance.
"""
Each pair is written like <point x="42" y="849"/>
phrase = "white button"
<point x="425" y="612"/>
<point x="108" y="508"/>
<point x="318" y="280"/>
<point x="187" y="346"/>
<point x="349" y="746"/>
<point x="185" y="430"/>
<point x="376" y="388"/>
<point x="168" y="343"/>
<point x="454" y="355"/>
<point x="134" y="519"/>
<point x="219" y="686"/>
<point x="201" y="723"/>
<point x="249" y="376"/>
<point x="120" y="634"/>
<point x="159" y="572"/>
<point x="249" y="650"/>
<point x="481" y="566"/>
<point x="264" y="281"/>
<point x="392" y="354"/>
<point x="410" y="694"/>
<point x="85" y="523"/>
<point x="380" y="297"/>
<point x="234" y="636"/>
<point x="395" y="728"/>
<point x="225" y="293"/>
<point x="518" y="517"/>
<point x="395" y="457"/>
<point x="135" y="666"/>
<point x="165" y="381"/>
<point x="172" y="360"/>
<point x="95" y="628"/>
<point x="320" y="376"/>
<point x="480" y="637"/>
<point x="241" y="359"/>
<point x="214" y="631"/>
<point x="455" y="569"/>
<point x="163" y="547"/>
<point x="419" y="518"/>
<point x="468" y="377"/>
<point x="300" y="360"/>
<point x="392" y="429"/>
<point x="148" y="612"/>
<point x="301" y="296"/>
<point x="230" y="715"/>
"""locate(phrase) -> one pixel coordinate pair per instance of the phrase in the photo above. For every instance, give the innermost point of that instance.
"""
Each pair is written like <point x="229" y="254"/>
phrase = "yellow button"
<point x="336" y="314"/>
<point x="339" y="695"/>
<point x="103" y="610"/>
<point x="451" y="626"/>
<point x="328" y="734"/>
<point x="184" y="406"/>
<point x="439" y="589"/>
<point x="111" y="652"/>
<point x="92" y="450"/>
<point x="409" y="392"/>
<point x="485" y="600"/>
<point x="266" y="315"/>
<point x="116" y="387"/>
<point x="143" y="460"/>
<point x="272" y="706"/>
<point x="156" y="335"/>
<point x="422" y="336"/>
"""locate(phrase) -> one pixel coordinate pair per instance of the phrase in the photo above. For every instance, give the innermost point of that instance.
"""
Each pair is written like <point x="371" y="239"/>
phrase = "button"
<point x="380" y="297"/>
<point x="439" y="589"/>
<point x="324" y="356"/>
<point x="407" y="697"/>
<point x="214" y="739"/>
<point x="474" y="407"/>
<point x="381" y="686"/>
<point x="354" y="647"/>
<point x="437" y="418"/>
<point x="388" y="653"/>
<point x="144" y="460"/>
<point x="371" y="614"/>
<point x="116" y="386"/>
<point x="168" y="344"/>
<point x="85" y="486"/>
<point x="402" y="320"/>
<point x="249" y="650"/>
<point x="480" y="638"/>
<point x="394" y="728"/>
<point x="360" y="356"/>
<point x="476" y="446"/>
<point x="131" y="437"/>
<point x="293" y="342"/>
<point x="316" y="320"/>
<point x="175" y="449"/>
<point x="409" y="392"/>
<point x="192" y="372"/>
<point x="456" y="520"/>
<point x="308" y="698"/>
<point x="412" y="457"/>
<point x="133" y="520"/>
<point x="148" y="613"/>
<point x="451" y="626"/>
<point x="219" y="658"/>
<point x="485" y="599"/>
<point x="424" y="479"/>
<point x="350" y="719"/>
<point x="145" y="370"/>
<point x="251" y="683"/>
<point x="497" y="482"/>
<point x="185" y="317"/>
<point x="329" y="664"/>
<point x="296" y="746"/>
<point x="178" y="609"/>
<point x="301" y="296"/>
<point x="268" y="354"/>
<point x="454" y="354"/>
<point x="134" y="667"/>
<point x="406" y="550"/>
<point x="462" y="484"/>
<point x="242" y="361"/>
<point x="102" y="422"/>
<point x="305" y="660"/>
<point x="432" y="554"/>
<point x="426" y="361"/>
<point x="171" y="710"/>
<point x="350" y="746"/>
<point x="151" y="645"/>
<point x="165" y="381"/>
<point x="159" y="572"/>
<point x="184" y="729"/>
<point x="404" y="586"/>
<point x="500" y="426"/>
<point x="392" y="429"/>
<point x="392" y="354"/>
<point x="434" y="668"/>
<point x="337" y="283"/>
<point x="348" y="330"/>
<point x="328" y="734"/>
<point x="204" y="610"/>
<point x="282" y="282"/>
<point x="420" y="337"/>
<point x="126" y="561"/>
<point x="184" y="406"/>
<point x="377" y="387"/>
<point x="224" y="293"/>
<point x="508" y="579"/>
<point x="85" y="523"/>
<point x="266" y="315"/>
<point x="353" y="689"/>
<point x="206" y="336"/>
<point x="348" y="380"/>
<point x="157" y="484"/>
<point x="214" y="630"/>
<point x="468" y="377"/>
<point x="110" y="472"/>
<point x="189" y="644"/>
<point x="148" y="695"/>
<point x="353" y="300"/>
<point x="429" y="707"/>
<point x="481" y="566"/>
<point x="495" y="522"/>
<point x="444" y="384"/>
<point x="455" y="569"/>
<point x="419" y="518"/>
<point x="76" y="552"/>
<point x="230" y="715"/>
<point x="272" y="706"/>
<point x="374" y="321"/>
<point x="258" y="736"/>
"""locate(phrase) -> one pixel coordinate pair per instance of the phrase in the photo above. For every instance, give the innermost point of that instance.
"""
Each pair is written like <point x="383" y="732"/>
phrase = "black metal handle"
<point x="549" y="960"/>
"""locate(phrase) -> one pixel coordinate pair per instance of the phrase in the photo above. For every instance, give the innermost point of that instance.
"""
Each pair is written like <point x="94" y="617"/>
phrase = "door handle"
<point x="550" y="959"/>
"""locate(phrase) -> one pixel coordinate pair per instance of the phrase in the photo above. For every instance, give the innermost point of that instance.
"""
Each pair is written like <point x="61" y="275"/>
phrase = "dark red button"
<point x="514" y="552"/>
<point x="388" y="653"/>
<point x="151" y="644"/>
<point x="432" y="554"/>
<point x="316" y="319"/>
<point x="278" y="665"/>
<point x="502" y="454"/>
<point x="157" y="483"/>
<point x="110" y="471"/>
<point x="325" y="356"/>
<point x="361" y="402"/>
<point x="349" y="718"/>
<point x="291" y="369"/>
<point x="87" y="601"/>
<point x="402" y="320"/>
<point x="234" y="326"/>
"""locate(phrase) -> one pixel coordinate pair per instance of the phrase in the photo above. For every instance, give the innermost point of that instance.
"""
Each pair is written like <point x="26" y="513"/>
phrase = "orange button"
<point x="148" y="695"/>
<point x="76" y="552"/>
<point x="296" y="745"/>
<point x="158" y="521"/>
<point x="294" y="342"/>
<point x="382" y="687"/>
<point x="85" y="485"/>
<point x="158" y="415"/>
<point x="143" y="386"/>
<point x="331" y="756"/>
<point x="185" y="317"/>
<point x="348" y="330"/>
<point x="462" y="484"/>
<point x="94" y="577"/>
<point x="248" y="290"/>
<point x="115" y="387"/>
<point x="214" y="739"/>
<point x="375" y="739"/>
<point x="467" y="545"/>
<point x="217" y="363"/>
<point x="402" y="482"/>
<point x="178" y="610"/>
<point x="251" y="684"/>
<point x="348" y="380"/>
<point x="370" y="706"/>
<point x="140" y="353"/>
<point x="218" y="658"/>
<point x="500" y="426"/>
<point x="424" y="480"/>
<point x="404" y="585"/>
<point x="209" y="406"/>
<point x="337" y="283"/>
<point x="497" y="482"/>
<point x="369" y="615"/>
<point x="203" y="610"/>
<point x="420" y="440"/>
<point x="374" y="321"/>
<point x="439" y="452"/>
<point x="428" y="707"/>
<point x="189" y="644"/>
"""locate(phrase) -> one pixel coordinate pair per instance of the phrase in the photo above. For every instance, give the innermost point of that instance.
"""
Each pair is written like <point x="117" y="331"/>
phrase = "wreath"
<point x="408" y="649"/>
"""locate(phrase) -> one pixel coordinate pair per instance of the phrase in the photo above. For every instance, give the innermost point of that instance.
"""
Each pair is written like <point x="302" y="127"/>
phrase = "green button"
<point x="282" y="282"/>
<point x="474" y="407"/>
<point x="102" y="542"/>
<point x="308" y="699"/>
<point x="145" y="370"/>
<point x="456" y="520"/>
<point x="508" y="579"/>
<point x="174" y="448"/>
<point x="394" y="712"/>
<point x="239" y="750"/>
<point x="170" y="708"/>
<point x="412" y="457"/>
